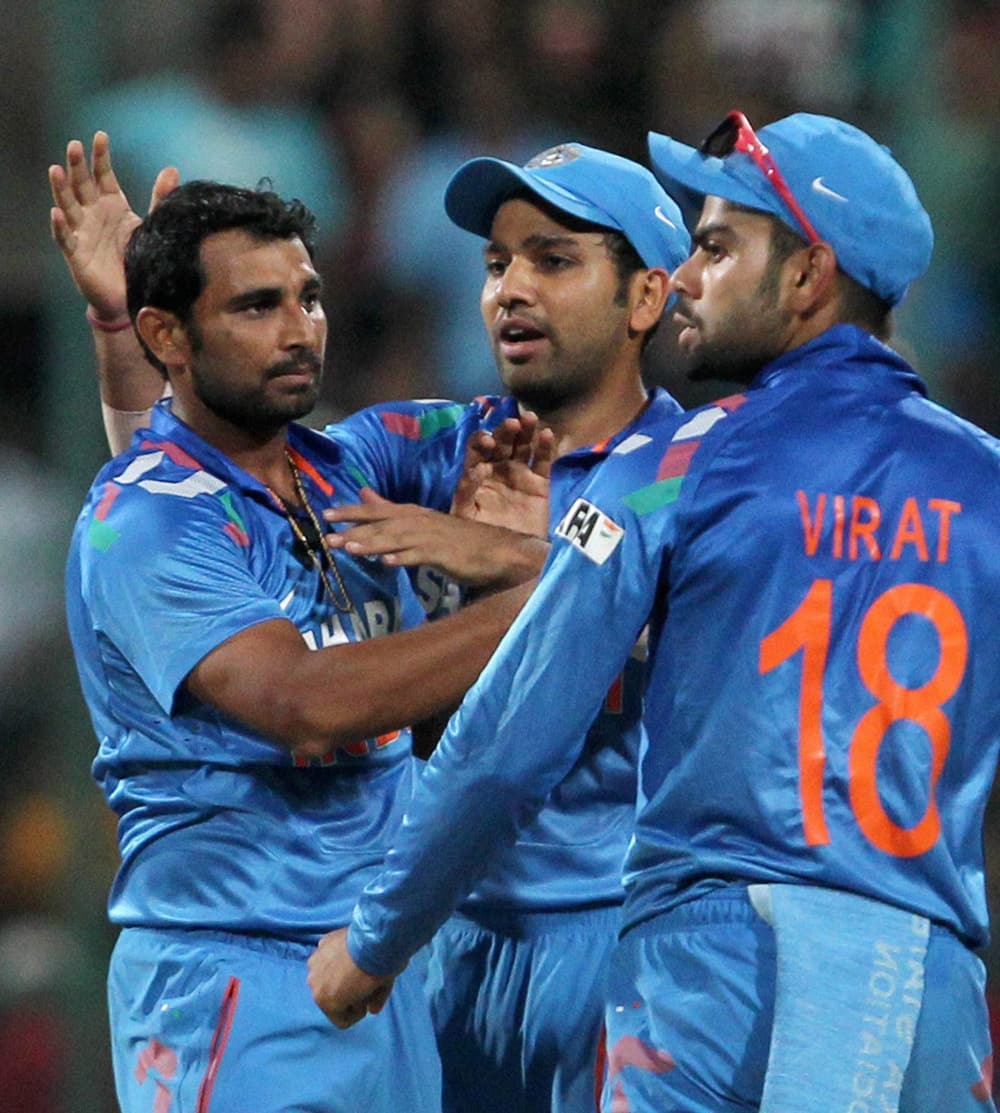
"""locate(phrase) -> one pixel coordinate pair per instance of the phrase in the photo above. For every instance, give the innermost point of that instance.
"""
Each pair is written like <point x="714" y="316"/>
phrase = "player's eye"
<point x="552" y="262"/>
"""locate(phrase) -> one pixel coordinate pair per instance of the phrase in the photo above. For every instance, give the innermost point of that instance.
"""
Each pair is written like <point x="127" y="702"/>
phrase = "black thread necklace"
<point x="319" y="555"/>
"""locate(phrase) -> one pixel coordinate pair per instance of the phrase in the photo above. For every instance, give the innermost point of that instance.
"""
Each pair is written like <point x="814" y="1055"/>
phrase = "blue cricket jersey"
<point x="570" y="854"/>
<point x="175" y="551"/>
<point x="817" y="563"/>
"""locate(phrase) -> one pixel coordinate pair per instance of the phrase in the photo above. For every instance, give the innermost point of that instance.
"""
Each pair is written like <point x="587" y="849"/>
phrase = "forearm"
<point x="127" y="381"/>
<point x="386" y="683"/>
<point x="314" y="700"/>
<point x="129" y="385"/>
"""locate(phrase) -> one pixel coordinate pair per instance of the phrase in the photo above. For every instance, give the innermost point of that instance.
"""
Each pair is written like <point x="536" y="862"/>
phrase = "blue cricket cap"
<point x="856" y="195"/>
<point x="596" y="186"/>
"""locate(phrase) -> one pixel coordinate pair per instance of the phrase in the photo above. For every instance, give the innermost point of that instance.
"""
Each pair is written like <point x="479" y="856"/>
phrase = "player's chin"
<point x="523" y="380"/>
<point x="700" y="372"/>
<point x="515" y="366"/>
<point x="297" y="401"/>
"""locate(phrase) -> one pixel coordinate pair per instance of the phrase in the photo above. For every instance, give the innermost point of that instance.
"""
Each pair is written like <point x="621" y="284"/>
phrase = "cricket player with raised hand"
<point x="579" y="248"/>
<point x="251" y="691"/>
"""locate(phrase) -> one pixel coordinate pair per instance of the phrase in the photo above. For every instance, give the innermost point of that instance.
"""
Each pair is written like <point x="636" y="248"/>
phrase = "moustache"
<point x="304" y="361"/>
<point x="684" y="313"/>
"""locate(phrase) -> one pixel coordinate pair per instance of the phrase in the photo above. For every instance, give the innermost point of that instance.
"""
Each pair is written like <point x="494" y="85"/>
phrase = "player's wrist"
<point x="527" y="556"/>
<point x="117" y="322"/>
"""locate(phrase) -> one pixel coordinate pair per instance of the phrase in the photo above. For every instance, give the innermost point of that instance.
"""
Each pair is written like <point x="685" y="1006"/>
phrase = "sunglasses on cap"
<point x="736" y="134"/>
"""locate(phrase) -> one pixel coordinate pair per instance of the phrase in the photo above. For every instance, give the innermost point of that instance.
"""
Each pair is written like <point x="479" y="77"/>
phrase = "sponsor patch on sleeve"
<point x="590" y="530"/>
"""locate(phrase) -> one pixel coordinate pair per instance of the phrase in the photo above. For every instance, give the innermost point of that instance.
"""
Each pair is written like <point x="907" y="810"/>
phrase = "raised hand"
<point x="505" y="477"/>
<point x="91" y="221"/>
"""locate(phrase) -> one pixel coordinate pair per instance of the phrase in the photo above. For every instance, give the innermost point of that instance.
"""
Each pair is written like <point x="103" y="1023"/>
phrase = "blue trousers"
<point x="518" y="1008"/>
<point x="692" y="1006"/>
<point x="208" y="1022"/>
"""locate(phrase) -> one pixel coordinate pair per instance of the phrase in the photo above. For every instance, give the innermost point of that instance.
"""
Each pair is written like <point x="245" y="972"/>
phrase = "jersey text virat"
<point x="855" y="527"/>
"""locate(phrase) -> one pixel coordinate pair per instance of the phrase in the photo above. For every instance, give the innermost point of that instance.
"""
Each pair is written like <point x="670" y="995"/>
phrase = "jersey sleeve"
<point x="522" y="726"/>
<point x="409" y="451"/>
<point x="190" y="585"/>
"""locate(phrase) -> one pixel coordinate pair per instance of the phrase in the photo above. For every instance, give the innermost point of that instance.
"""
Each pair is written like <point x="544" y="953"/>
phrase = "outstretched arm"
<point x="492" y="539"/>
<point x="403" y="534"/>
<point x="504" y="750"/>
<point x="91" y="221"/>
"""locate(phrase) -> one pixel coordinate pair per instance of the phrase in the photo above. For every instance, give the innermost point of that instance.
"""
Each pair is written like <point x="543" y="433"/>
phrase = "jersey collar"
<point x="659" y="405"/>
<point x="842" y="348"/>
<point x="315" y="452"/>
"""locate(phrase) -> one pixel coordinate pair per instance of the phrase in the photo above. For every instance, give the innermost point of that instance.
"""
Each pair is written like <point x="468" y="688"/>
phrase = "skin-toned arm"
<point x="314" y="700"/>
<point x="494" y="536"/>
<point x="473" y="554"/>
<point x="91" y="221"/>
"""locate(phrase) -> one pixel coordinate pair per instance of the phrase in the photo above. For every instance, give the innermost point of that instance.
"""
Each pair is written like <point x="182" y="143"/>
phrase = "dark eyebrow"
<point x="271" y="295"/>
<point x="268" y="295"/>
<point x="707" y="231"/>
<point x="538" y="242"/>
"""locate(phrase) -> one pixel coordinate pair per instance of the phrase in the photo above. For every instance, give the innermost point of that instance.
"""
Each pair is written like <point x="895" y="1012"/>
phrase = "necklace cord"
<point x="319" y="555"/>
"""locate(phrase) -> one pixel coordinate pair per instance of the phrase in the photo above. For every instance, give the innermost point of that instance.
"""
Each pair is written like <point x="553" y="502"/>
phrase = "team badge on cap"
<point x="554" y="156"/>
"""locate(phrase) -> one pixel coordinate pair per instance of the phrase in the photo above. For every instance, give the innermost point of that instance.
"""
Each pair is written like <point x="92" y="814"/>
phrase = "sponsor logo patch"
<point x="590" y="530"/>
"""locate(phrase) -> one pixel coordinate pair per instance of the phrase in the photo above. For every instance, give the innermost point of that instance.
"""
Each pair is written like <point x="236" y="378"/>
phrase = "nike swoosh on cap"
<point x="661" y="215"/>
<point x="820" y="188"/>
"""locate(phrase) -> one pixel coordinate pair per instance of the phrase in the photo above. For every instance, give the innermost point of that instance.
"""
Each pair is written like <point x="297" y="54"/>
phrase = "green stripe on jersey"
<point x="650" y="498"/>
<point x="101" y="536"/>
<point x="433" y="421"/>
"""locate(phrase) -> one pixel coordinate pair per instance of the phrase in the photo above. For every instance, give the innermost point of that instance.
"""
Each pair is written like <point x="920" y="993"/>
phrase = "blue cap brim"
<point x="481" y="186"/>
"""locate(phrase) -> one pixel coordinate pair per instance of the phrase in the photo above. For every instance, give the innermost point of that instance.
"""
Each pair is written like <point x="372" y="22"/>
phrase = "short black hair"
<point x="626" y="259"/>
<point x="163" y="255"/>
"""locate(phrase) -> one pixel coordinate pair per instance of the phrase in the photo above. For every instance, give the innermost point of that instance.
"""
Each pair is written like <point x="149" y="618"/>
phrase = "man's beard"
<point x="746" y="346"/>
<point x="727" y="365"/>
<point x="252" y="410"/>
<point x="549" y="388"/>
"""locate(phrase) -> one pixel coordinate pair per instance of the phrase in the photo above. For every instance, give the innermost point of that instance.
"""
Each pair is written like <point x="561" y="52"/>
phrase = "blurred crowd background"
<point x="363" y="108"/>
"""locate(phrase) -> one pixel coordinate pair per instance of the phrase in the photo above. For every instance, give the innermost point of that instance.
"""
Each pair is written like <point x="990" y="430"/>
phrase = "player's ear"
<point x="649" y="291"/>
<point x="811" y="278"/>
<point x="165" y="335"/>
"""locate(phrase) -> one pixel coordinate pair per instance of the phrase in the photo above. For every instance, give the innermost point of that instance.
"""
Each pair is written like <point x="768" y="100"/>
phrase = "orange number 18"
<point x="808" y="629"/>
